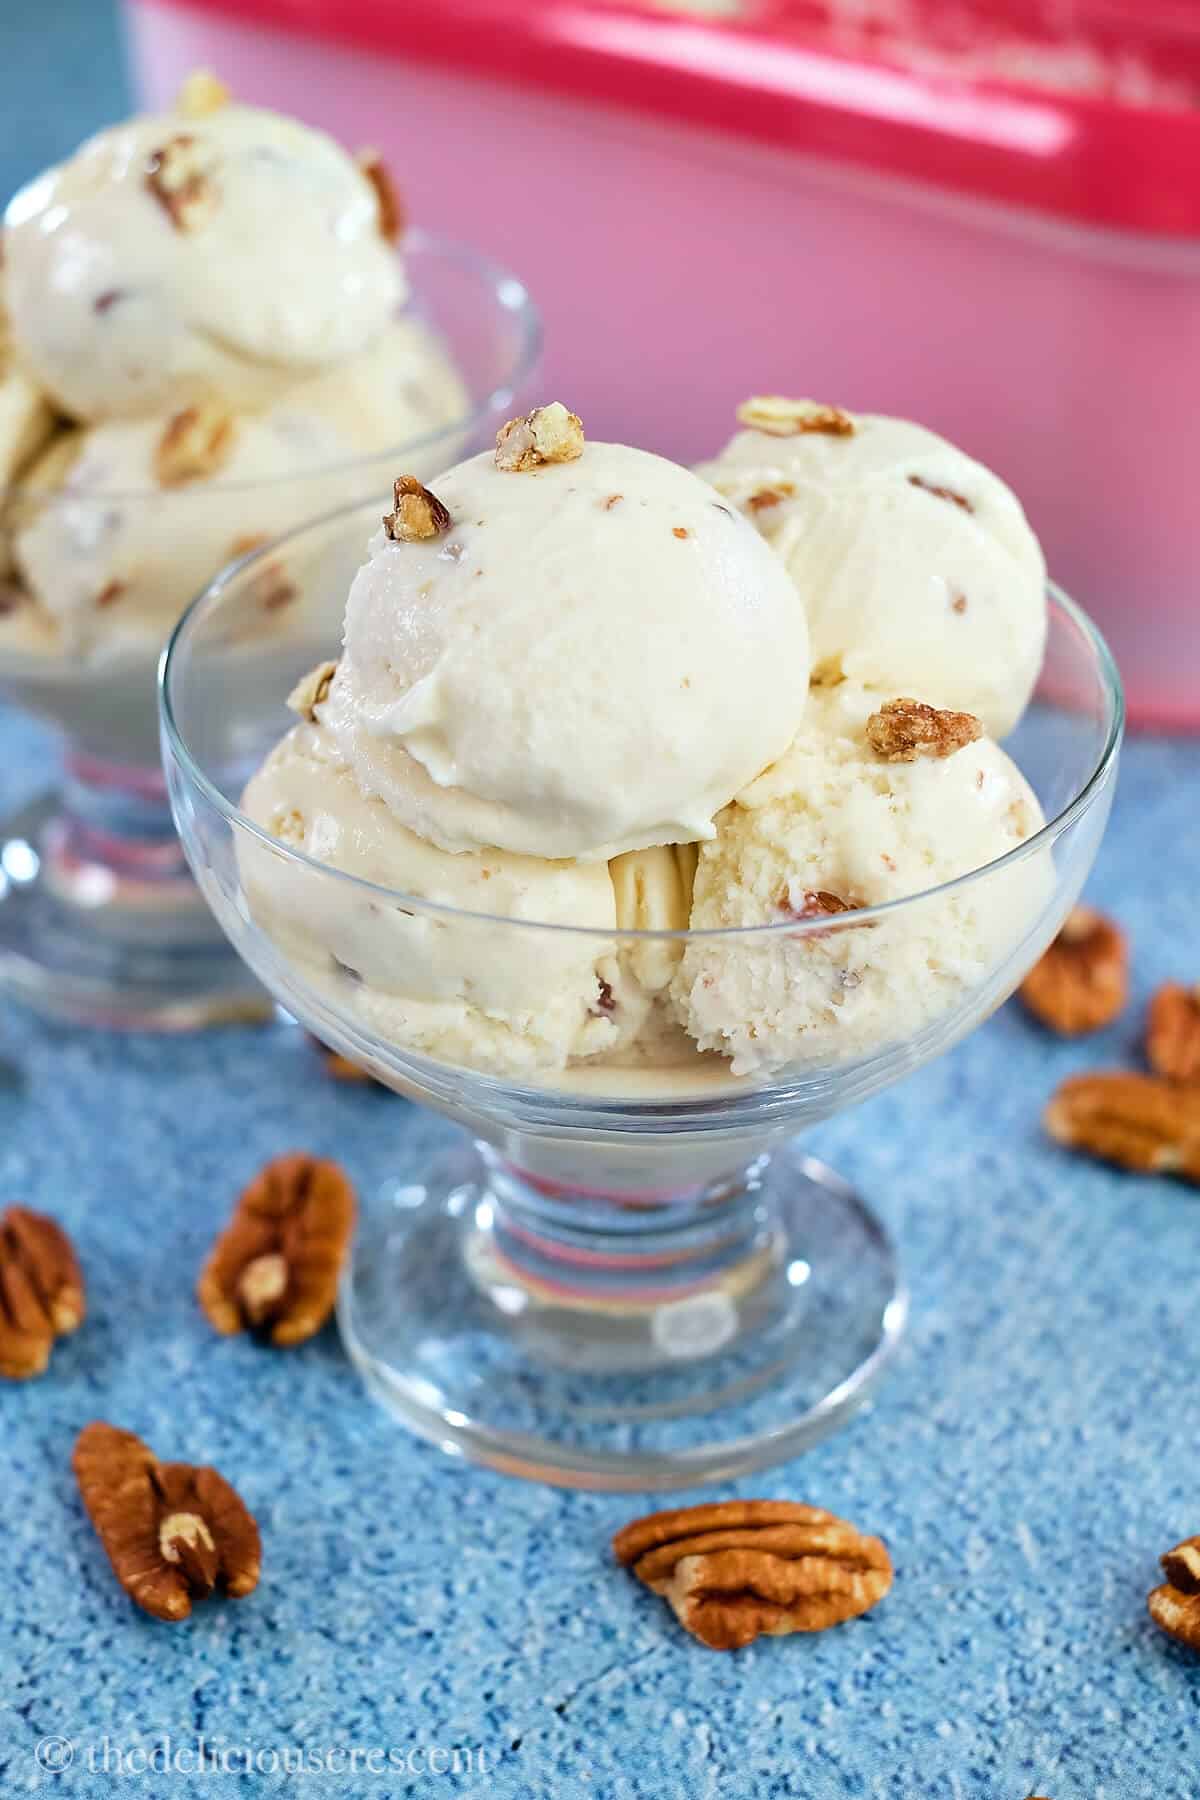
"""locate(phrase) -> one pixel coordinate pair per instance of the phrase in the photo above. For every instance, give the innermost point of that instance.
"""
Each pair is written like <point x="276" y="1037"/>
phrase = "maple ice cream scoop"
<point x="916" y="565"/>
<point x="442" y="983"/>
<point x="589" y="654"/>
<point x="221" y="256"/>
<point x="870" y="804"/>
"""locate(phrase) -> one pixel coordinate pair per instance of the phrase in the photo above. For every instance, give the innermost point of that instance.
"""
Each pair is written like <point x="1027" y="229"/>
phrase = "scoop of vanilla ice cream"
<point x="834" y="824"/>
<point x="917" y="567"/>
<point x="593" y="657"/>
<point x="489" y="994"/>
<point x="404" y="387"/>
<point x="109" y="550"/>
<point x="177" y="258"/>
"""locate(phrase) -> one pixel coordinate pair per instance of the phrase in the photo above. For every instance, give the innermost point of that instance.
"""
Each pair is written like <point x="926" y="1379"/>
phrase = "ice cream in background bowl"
<point x="569" y="835"/>
<point x="214" y="324"/>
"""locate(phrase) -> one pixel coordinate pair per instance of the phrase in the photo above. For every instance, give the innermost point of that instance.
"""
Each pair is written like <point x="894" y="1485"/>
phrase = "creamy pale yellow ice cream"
<point x="916" y="566"/>
<point x="835" y="826"/>
<point x="178" y="258"/>
<point x="555" y="665"/>
<point x="201" y="348"/>
<point x="443" y="983"/>
<point x="591" y="657"/>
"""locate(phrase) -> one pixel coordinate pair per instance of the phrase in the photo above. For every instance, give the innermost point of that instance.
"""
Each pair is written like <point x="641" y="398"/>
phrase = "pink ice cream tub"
<point x="957" y="214"/>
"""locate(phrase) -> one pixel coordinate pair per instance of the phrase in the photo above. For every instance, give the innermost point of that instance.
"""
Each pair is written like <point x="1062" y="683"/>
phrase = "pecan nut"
<point x="1175" y="1606"/>
<point x="196" y="444"/>
<point x="903" y="730"/>
<point x="342" y="1068"/>
<point x="275" y="1267"/>
<point x="417" y="516"/>
<point x="549" y="434"/>
<point x="179" y="175"/>
<point x="776" y="416"/>
<point x="737" y="1569"/>
<point x="1082" y="981"/>
<point x="1138" y="1122"/>
<point x="1173" y="1032"/>
<point x="387" y="195"/>
<point x="171" y="1531"/>
<point x="311" y="690"/>
<point x="202" y="93"/>
<point x="941" y="493"/>
<point x="42" y="1295"/>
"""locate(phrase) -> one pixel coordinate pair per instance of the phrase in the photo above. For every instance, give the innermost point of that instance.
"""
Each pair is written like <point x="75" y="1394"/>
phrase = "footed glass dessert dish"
<point x="630" y="1273"/>
<point x="100" y="921"/>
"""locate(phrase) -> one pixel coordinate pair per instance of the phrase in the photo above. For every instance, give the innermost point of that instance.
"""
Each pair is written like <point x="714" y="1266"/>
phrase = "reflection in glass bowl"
<point x="629" y="1274"/>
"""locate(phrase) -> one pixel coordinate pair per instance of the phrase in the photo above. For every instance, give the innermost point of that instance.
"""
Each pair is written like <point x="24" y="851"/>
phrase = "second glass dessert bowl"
<point x="99" y="920"/>
<point x="628" y="1272"/>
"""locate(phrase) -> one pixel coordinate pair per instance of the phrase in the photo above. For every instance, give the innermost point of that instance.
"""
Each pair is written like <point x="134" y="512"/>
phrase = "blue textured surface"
<point x="1033" y="1451"/>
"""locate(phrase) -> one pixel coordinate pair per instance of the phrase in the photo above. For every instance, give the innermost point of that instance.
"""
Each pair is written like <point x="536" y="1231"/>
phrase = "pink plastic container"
<point x="800" y="198"/>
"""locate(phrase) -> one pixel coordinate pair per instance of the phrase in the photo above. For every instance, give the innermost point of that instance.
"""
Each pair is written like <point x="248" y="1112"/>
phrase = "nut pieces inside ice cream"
<point x="583" y="698"/>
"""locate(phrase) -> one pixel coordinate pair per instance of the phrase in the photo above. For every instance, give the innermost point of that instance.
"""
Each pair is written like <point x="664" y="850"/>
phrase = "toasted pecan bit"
<point x="613" y="500"/>
<point x="815" y="903"/>
<point x="42" y="1294"/>
<point x="737" y="1569"/>
<point x="605" y="1000"/>
<point x="110" y="593"/>
<point x="1138" y="1122"/>
<point x="172" y="1532"/>
<point x="202" y="93"/>
<point x="196" y="444"/>
<point x="770" y="496"/>
<point x="779" y="417"/>
<point x="549" y="434"/>
<point x="1082" y="981"/>
<point x="391" y="207"/>
<point x="418" y="515"/>
<point x="941" y="493"/>
<point x="250" y="540"/>
<point x="299" y="1210"/>
<point x="311" y="690"/>
<point x="959" y="603"/>
<point x="1176" y="1605"/>
<point x="179" y="175"/>
<point x="1173" y="1032"/>
<point x="903" y="730"/>
<point x="1181" y="1566"/>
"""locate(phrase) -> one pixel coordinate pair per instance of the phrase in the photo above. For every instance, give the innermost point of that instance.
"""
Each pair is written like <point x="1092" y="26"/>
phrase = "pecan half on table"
<point x="741" y="1568"/>
<point x="1173" y="1032"/>
<point x="275" y="1267"/>
<point x="1138" y="1122"/>
<point x="1175" y="1606"/>
<point x="42" y="1294"/>
<point x="172" y="1532"/>
<point x="1082" y="981"/>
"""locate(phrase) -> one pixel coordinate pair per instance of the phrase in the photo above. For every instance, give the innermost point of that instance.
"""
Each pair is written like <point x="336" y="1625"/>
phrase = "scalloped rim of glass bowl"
<point x="1042" y="839"/>
<point x="512" y="295"/>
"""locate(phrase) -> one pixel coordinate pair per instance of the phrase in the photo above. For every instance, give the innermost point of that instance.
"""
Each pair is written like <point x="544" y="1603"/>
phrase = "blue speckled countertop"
<point x="1032" y="1452"/>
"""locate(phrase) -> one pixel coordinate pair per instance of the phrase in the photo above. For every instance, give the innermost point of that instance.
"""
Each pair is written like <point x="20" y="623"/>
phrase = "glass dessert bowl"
<point x="99" y="919"/>
<point x="629" y="1273"/>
